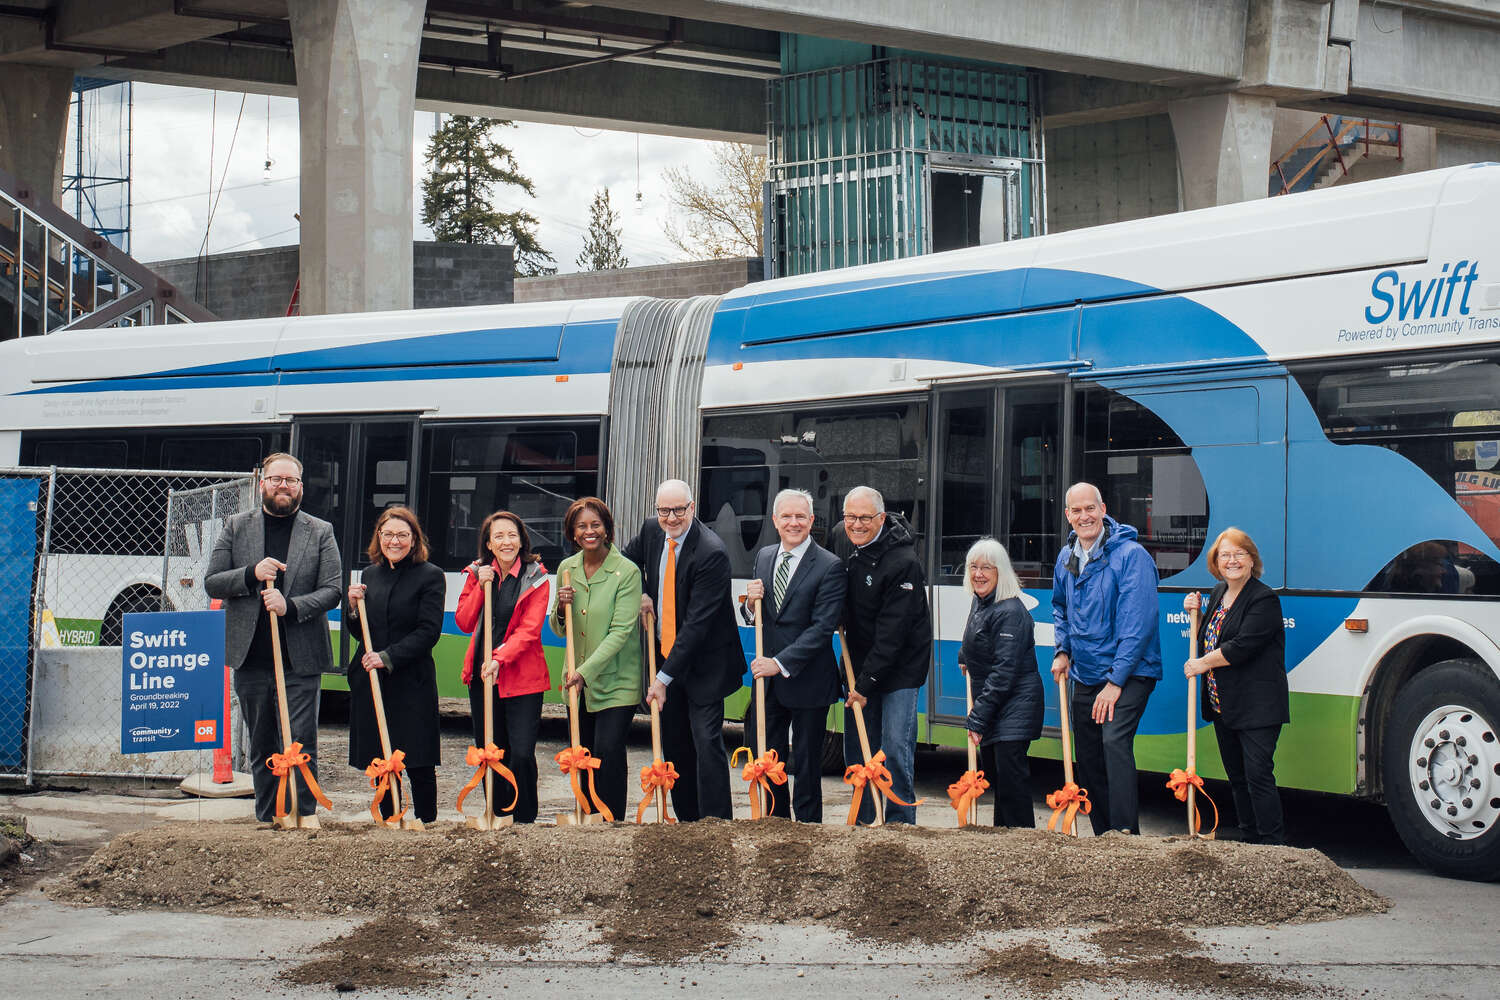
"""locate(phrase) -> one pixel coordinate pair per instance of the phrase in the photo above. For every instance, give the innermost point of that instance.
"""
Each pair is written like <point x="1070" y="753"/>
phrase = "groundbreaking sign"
<point x="172" y="682"/>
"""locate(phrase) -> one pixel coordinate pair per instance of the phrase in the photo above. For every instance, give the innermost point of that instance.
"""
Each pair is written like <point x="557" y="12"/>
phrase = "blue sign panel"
<point x="18" y="544"/>
<point x="172" y="682"/>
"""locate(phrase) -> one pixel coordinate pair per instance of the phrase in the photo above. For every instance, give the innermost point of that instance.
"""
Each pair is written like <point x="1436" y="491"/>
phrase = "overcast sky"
<point x="177" y="129"/>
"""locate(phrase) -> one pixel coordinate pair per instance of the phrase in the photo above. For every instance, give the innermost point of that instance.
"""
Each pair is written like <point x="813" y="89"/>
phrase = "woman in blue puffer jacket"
<point x="999" y="655"/>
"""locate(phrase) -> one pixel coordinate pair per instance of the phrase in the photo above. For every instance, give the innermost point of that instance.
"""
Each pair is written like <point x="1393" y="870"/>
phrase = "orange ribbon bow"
<point x="281" y="765"/>
<point x="487" y="759"/>
<point x="382" y="774"/>
<point x="659" y="775"/>
<point x="1066" y="803"/>
<point x="763" y="771"/>
<point x="1178" y="783"/>
<point x="964" y="792"/>
<point x="574" y="759"/>
<point x="874" y="773"/>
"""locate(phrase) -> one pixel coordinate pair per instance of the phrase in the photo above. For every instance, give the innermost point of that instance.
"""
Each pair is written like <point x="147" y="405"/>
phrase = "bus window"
<point x="1441" y="417"/>
<point x="1033" y="493"/>
<point x="747" y="458"/>
<point x="966" y="463"/>
<point x="214" y="454"/>
<point x="106" y="453"/>
<point x="1147" y="475"/>
<point x="472" y="470"/>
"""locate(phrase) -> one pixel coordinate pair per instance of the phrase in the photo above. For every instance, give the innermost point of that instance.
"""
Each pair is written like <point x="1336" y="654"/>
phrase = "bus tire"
<point x="833" y="752"/>
<point x="1442" y="768"/>
<point x="130" y="600"/>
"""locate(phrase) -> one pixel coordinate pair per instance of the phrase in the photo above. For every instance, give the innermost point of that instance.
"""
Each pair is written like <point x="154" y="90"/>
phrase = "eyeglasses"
<point x="395" y="536"/>
<point x="1236" y="555"/>
<point x="283" y="480"/>
<point x="672" y="511"/>
<point x="861" y="519"/>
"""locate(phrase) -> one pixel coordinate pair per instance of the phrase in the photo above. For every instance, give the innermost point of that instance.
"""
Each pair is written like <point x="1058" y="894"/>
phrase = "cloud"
<point x="177" y="128"/>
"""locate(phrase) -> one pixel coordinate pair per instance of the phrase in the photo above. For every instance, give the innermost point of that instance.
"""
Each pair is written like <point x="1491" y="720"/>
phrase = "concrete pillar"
<point x="33" y="125"/>
<point x="1223" y="147"/>
<point x="356" y="89"/>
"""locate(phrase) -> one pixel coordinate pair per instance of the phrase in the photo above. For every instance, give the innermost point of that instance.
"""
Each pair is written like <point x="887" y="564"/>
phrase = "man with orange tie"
<point x="685" y="577"/>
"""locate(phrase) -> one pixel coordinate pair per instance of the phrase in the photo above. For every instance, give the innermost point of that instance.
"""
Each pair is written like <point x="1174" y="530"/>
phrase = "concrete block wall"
<point x="1111" y="172"/>
<point x="462" y="274"/>
<point x="663" y="281"/>
<point x="249" y="284"/>
<point x="253" y="284"/>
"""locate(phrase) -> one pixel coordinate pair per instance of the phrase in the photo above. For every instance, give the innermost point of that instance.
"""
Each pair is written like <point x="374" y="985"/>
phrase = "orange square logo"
<point x="206" y="731"/>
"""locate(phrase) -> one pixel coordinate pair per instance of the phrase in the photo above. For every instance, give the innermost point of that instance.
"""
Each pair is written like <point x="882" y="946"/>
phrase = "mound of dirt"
<point x="1158" y="956"/>
<point x="388" y="951"/>
<point x="667" y="892"/>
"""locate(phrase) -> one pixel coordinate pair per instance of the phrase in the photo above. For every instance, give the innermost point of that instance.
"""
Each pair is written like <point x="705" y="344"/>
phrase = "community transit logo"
<point x="1420" y="305"/>
<point x="145" y="734"/>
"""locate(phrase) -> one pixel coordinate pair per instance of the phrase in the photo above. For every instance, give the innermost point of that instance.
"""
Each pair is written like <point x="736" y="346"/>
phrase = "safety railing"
<point x="57" y="274"/>
<point x="1325" y="146"/>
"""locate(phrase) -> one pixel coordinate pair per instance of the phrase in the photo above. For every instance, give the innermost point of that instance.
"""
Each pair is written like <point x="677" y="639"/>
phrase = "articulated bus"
<point x="1321" y="370"/>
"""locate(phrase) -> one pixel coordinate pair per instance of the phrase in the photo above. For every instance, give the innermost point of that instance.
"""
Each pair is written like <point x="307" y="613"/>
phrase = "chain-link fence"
<point x="194" y="519"/>
<point x="103" y="543"/>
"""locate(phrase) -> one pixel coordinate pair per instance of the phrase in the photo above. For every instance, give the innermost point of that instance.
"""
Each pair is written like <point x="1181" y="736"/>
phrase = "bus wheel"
<point x="1442" y="768"/>
<point x="833" y="752"/>
<point x="130" y="600"/>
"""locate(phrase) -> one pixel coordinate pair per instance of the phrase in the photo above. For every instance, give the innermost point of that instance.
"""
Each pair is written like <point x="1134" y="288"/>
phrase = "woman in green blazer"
<point x="606" y="599"/>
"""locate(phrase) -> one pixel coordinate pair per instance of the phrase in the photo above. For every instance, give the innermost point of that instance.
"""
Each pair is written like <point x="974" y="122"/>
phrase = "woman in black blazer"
<point x="403" y="595"/>
<point x="1243" y="645"/>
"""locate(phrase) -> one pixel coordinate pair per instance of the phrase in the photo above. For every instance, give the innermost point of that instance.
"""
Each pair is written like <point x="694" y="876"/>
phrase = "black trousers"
<point x="423" y="804"/>
<point x="516" y="723"/>
<point x="796" y="734"/>
<point x="692" y="738"/>
<point x="604" y="732"/>
<point x="1249" y="761"/>
<point x="1009" y="771"/>
<point x="1106" y="754"/>
<point x="255" y="687"/>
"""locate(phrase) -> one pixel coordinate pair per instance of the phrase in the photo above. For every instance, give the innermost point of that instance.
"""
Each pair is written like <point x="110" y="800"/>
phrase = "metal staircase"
<point x="57" y="274"/>
<point x="1329" y="150"/>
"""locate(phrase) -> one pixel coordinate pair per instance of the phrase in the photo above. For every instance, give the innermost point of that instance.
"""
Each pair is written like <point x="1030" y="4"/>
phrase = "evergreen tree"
<point x="465" y="165"/>
<point x="601" y="244"/>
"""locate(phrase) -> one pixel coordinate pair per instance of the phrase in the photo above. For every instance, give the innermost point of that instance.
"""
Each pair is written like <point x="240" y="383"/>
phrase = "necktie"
<point x="669" y="600"/>
<point x="783" y="576"/>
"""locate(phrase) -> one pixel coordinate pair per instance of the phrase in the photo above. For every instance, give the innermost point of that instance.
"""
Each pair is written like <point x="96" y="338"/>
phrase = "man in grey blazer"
<point x="801" y="587"/>
<point x="296" y="552"/>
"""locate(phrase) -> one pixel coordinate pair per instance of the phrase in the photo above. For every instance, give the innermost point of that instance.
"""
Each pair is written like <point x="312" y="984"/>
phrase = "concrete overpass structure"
<point x="1203" y="78"/>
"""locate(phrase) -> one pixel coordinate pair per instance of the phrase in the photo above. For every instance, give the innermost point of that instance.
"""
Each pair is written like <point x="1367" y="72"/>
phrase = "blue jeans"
<point x="891" y="720"/>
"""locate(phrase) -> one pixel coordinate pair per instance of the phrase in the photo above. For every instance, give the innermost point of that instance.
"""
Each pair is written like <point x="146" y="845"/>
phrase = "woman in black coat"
<point x="403" y="595"/>
<point x="999" y="655"/>
<point x="1243" y="644"/>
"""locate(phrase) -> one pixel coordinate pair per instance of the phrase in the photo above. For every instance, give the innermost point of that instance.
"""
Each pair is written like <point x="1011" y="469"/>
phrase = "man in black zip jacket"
<point x="890" y="641"/>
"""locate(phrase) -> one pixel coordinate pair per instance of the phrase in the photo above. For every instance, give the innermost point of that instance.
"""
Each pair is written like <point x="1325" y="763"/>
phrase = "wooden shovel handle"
<point x="489" y="700"/>
<point x="1192" y="724"/>
<point x="656" y="757"/>
<point x="281" y="704"/>
<point x="1067" y="732"/>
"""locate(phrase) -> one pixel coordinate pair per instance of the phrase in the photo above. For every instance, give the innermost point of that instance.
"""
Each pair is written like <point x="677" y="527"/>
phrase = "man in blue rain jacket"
<point x="1105" y="614"/>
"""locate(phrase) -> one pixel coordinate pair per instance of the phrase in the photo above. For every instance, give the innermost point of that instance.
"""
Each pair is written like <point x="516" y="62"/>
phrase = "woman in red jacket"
<point x="518" y="606"/>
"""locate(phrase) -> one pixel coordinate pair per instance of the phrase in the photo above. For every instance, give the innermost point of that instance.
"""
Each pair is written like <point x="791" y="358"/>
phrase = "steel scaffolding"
<point x="898" y="157"/>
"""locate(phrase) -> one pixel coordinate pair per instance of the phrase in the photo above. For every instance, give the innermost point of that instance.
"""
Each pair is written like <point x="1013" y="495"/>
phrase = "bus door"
<point x="352" y="469"/>
<point x="998" y="460"/>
